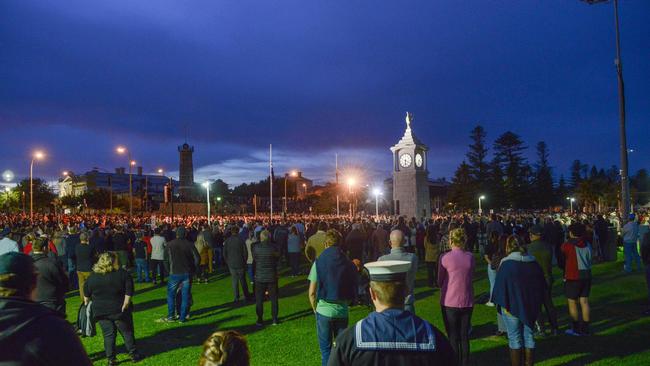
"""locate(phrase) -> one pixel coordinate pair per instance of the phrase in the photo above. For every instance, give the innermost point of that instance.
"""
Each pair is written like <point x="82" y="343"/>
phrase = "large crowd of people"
<point x="361" y="260"/>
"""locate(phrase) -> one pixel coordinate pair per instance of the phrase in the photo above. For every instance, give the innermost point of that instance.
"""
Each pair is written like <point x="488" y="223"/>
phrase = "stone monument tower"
<point x="410" y="175"/>
<point x="186" y="172"/>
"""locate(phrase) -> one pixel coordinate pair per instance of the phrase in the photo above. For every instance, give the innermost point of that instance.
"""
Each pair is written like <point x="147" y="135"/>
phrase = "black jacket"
<point x="35" y="335"/>
<point x="645" y="248"/>
<point x="265" y="259"/>
<point x="235" y="253"/>
<point x="183" y="257"/>
<point x="52" y="282"/>
<point x="107" y="291"/>
<point x="85" y="257"/>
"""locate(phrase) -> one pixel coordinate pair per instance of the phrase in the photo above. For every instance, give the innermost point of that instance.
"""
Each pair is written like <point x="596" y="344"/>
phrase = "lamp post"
<point x="38" y="155"/>
<point x="571" y="200"/>
<point x="123" y="150"/>
<point x="286" y="175"/>
<point x="351" y="183"/>
<point x="207" y="187"/>
<point x="377" y="193"/>
<point x="625" y="187"/>
<point x="480" y="210"/>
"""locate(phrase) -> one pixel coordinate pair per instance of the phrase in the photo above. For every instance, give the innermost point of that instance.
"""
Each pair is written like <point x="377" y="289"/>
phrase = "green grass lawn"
<point x="621" y="336"/>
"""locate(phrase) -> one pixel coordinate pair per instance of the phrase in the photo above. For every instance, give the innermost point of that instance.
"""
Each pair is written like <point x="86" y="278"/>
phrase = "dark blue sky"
<point x="314" y="78"/>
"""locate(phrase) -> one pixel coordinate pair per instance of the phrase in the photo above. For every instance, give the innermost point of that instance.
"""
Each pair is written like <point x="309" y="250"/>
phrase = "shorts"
<point x="573" y="289"/>
<point x="520" y="335"/>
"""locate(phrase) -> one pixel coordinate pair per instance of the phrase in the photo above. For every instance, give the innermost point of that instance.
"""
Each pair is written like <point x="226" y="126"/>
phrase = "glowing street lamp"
<point x="351" y="183"/>
<point x="8" y="175"/>
<point x="571" y="200"/>
<point x="123" y="150"/>
<point x="207" y="187"/>
<point x="293" y="174"/>
<point x="161" y="171"/>
<point x="481" y="198"/>
<point x="377" y="193"/>
<point x="38" y="155"/>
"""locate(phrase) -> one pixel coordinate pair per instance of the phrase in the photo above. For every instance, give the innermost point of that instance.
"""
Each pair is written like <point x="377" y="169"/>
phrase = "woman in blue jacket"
<point x="519" y="293"/>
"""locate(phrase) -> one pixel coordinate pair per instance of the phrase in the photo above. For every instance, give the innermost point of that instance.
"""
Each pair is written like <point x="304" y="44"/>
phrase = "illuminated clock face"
<point x="418" y="160"/>
<point x="405" y="160"/>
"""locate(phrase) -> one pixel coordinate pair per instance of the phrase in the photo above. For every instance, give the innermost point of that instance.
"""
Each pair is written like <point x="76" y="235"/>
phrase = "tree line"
<point x="508" y="180"/>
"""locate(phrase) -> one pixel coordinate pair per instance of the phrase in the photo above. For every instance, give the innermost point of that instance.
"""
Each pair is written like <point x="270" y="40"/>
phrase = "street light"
<point x="351" y="182"/>
<point x="625" y="187"/>
<point x="38" y="155"/>
<point x="377" y="193"/>
<point x="207" y="187"/>
<point x="8" y="175"/>
<point x="571" y="200"/>
<point x="480" y="210"/>
<point x="294" y="174"/>
<point x="122" y="150"/>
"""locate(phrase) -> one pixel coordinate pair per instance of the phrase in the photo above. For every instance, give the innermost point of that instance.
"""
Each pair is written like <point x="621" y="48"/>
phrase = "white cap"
<point x="384" y="271"/>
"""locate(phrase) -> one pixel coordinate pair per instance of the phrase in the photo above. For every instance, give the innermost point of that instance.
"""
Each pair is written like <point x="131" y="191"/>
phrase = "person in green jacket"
<point x="541" y="250"/>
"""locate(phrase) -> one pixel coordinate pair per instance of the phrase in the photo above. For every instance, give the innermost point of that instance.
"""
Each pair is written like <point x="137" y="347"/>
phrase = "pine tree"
<point x="508" y="153"/>
<point x="477" y="156"/>
<point x="543" y="181"/>
<point x="461" y="192"/>
<point x="561" y="191"/>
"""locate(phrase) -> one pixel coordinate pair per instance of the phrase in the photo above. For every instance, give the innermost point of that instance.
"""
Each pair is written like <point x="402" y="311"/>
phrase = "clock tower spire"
<point x="410" y="175"/>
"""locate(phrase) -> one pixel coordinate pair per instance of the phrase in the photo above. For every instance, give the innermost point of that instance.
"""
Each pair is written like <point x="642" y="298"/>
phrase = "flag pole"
<point x="336" y="157"/>
<point x="271" y="178"/>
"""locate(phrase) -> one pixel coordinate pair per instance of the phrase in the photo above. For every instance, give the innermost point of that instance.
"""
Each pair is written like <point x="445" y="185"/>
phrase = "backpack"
<point x="86" y="320"/>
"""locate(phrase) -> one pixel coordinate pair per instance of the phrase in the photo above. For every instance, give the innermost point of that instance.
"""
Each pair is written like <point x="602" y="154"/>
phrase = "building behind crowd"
<point x="151" y="187"/>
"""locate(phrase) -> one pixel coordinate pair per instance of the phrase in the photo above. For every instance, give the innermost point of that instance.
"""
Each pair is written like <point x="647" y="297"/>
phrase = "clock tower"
<point x="410" y="175"/>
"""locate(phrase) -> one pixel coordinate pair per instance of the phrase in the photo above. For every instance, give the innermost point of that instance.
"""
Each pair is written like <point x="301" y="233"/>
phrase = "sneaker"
<point x="276" y="322"/>
<point x="136" y="357"/>
<point x="165" y="320"/>
<point x="572" y="332"/>
<point x="490" y="304"/>
<point x="259" y="324"/>
<point x="112" y="362"/>
<point x="647" y="312"/>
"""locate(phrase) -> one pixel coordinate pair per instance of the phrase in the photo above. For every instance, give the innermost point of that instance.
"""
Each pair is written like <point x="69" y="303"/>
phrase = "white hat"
<point x="385" y="271"/>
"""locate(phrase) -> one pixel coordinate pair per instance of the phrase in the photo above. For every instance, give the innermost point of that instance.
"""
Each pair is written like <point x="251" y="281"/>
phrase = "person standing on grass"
<point x="645" y="255"/>
<point x="52" y="282"/>
<point x="203" y="248"/>
<point x="140" y="255"/>
<point x="630" y="234"/>
<point x="390" y="335"/>
<point x="398" y="253"/>
<point x="86" y="255"/>
<point x="265" y="259"/>
<point x="519" y="293"/>
<point x="158" y="245"/>
<point x="543" y="255"/>
<point x="431" y="254"/>
<point x="235" y="255"/>
<point x="294" y="248"/>
<point x="316" y="243"/>
<point x="110" y="288"/>
<point x="575" y="261"/>
<point x="30" y="333"/>
<point x="457" y="293"/>
<point x="332" y="287"/>
<point x="183" y="262"/>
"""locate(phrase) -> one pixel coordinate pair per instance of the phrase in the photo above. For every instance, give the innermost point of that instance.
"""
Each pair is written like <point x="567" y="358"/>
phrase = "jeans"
<point x="72" y="274"/>
<point x="122" y="322"/>
<point x="327" y="330"/>
<point x="158" y="268"/>
<point x="176" y="280"/>
<point x="457" y="323"/>
<point x="492" y="275"/>
<point x="631" y="253"/>
<point x="260" y="289"/>
<point x="432" y="274"/>
<point x="218" y="256"/>
<point x="251" y="272"/>
<point x="519" y="334"/>
<point x="141" y="265"/>
<point x="294" y="260"/>
<point x="238" y="276"/>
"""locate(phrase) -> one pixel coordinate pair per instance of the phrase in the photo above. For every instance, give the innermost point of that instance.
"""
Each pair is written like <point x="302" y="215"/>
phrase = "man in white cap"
<point x="390" y="335"/>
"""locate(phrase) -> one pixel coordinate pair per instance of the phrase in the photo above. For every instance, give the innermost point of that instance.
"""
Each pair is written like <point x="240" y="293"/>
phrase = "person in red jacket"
<point x="575" y="261"/>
